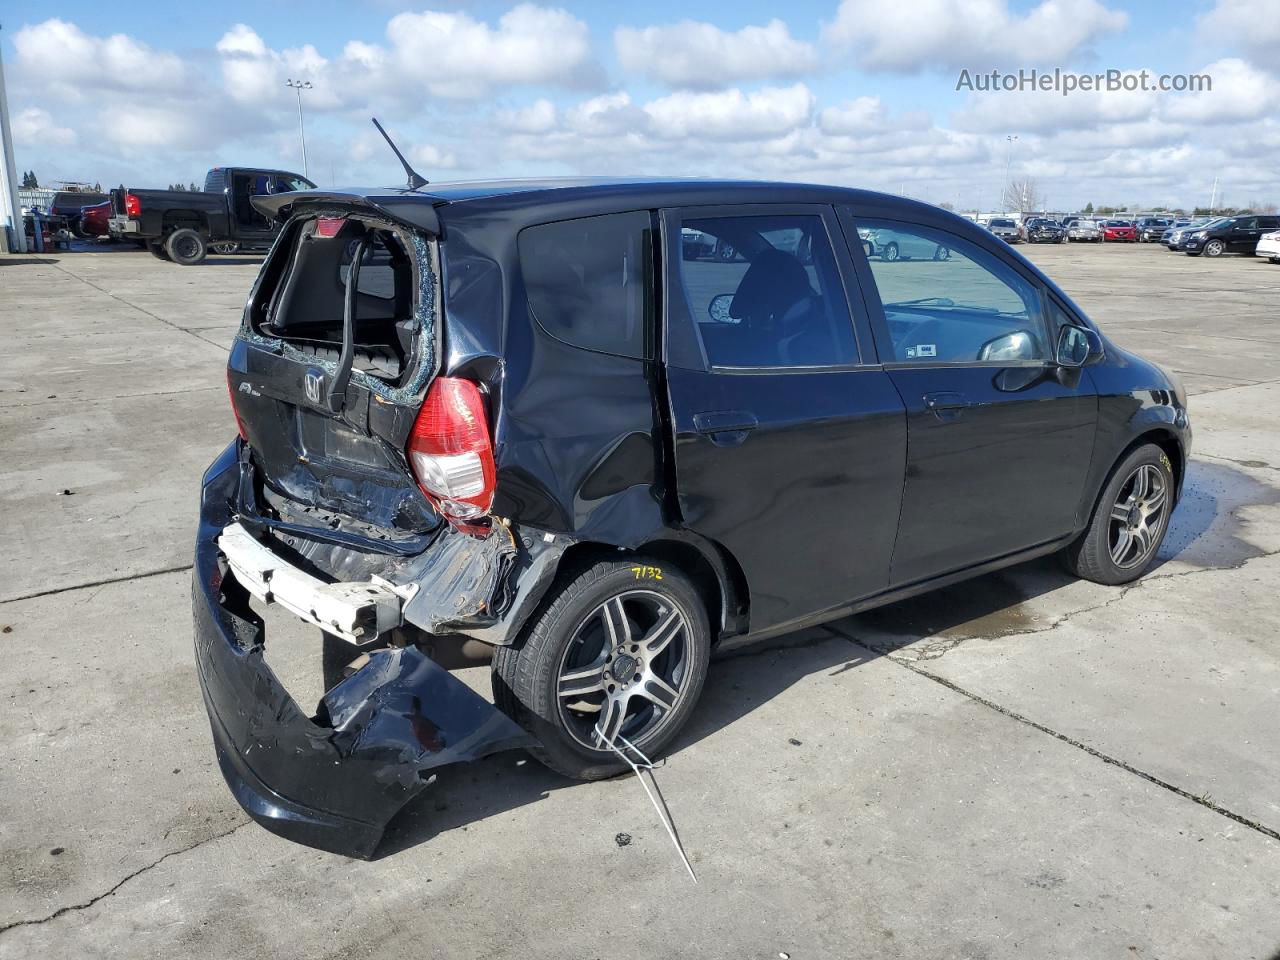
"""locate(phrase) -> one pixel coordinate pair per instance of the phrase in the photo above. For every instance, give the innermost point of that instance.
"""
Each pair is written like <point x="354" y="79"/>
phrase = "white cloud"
<point x="731" y="114"/>
<point x="611" y="114"/>
<point x="252" y="73"/>
<point x="701" y="56"/>
<point x="426" y="156"/>
<point x="1240" y="92"/>
<point x="1046" y="111"/>
<point x="1251" y="25"/>
<point x="454" y="55"/>
<point x="35" y="127"/>
<point x="978" y="34"/>
<point x="73" y="65"/>
<point x="537" y="117"/>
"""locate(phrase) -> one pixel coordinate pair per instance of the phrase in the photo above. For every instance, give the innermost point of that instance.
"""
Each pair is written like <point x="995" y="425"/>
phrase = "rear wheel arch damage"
<point x="712" y="569"/>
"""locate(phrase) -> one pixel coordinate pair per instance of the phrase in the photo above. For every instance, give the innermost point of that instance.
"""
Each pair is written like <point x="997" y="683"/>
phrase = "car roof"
<point x="578" y="196"/>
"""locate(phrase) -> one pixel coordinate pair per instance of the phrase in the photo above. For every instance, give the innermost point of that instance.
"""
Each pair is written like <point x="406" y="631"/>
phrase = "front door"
<point x="789" y="442"/>
<point x="998" y="437"/>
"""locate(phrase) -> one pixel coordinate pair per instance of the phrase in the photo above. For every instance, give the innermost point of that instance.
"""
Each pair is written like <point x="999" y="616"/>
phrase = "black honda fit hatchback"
<point x="604" y="429"/>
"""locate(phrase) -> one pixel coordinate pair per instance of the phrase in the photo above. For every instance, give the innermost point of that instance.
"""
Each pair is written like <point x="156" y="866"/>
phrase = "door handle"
<point x="725" y="427"/>
<point x="946" y="406"/>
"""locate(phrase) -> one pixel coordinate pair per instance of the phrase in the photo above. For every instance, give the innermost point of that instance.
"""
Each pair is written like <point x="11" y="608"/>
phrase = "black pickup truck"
<point x="183" y="226"/>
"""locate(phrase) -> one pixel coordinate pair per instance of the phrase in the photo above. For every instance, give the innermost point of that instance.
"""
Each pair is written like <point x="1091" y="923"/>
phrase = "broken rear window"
<point x="305" y="306"/>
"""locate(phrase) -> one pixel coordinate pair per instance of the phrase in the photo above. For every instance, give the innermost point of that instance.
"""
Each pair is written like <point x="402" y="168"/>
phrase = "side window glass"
<point x="588" y="280"/>
<point x="949" y="301"/>
<point x="765" y="291"/>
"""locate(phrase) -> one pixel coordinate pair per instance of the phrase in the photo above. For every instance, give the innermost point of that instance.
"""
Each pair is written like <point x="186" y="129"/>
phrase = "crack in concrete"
<point x="74" y="907"/>
<point x="98" y="583"/>
<point x="84" y="401"/>
<point x="142" y="310"/>
<point x="1203" y="800"/>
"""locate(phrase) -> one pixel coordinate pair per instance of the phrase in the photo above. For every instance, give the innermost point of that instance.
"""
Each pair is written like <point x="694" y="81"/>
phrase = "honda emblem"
<point x="311" y="383"/>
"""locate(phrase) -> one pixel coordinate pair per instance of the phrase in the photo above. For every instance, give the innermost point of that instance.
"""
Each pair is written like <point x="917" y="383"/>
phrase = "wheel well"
<point x="180" y="219"/>
<point x="727" y="600"/>
<point x="1167" y="442"/>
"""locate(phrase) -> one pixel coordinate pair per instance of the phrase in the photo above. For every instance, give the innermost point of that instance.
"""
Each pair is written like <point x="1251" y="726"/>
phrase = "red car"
<point x="1120" y="230"/>
<point x="93" y="219"/>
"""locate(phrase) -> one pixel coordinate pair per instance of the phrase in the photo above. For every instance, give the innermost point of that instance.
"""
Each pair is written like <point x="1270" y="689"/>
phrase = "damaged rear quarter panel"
<point x="577" y="435"/>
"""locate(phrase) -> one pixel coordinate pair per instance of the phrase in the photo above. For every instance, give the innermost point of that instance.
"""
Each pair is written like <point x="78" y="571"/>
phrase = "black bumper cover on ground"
<point x="334" y="780"/>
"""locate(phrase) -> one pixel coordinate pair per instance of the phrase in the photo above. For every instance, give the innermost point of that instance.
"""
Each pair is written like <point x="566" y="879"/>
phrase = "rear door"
<point x="789" y="438"/>
<point x="998" y="438"/>
<point x="248" y="224"/>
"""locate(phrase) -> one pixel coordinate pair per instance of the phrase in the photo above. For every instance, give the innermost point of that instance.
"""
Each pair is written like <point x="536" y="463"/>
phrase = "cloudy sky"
<point x="856" y="92"/>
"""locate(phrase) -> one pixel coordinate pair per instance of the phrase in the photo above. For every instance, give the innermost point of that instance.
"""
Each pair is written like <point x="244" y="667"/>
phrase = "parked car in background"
<point x="1167" y="238"/>
<point x="1042" y="230"/>
<point x="1150" y="229"/>
<point x="1006" y="228"/>
<point x="1269" y="246"/>
<point x="183" y="226"/>
<point x="694" y="244"/>
<point x="94" y="220"/>
<point x="482" y="414"/>
<point x="1227" y="235"/>
<point x="1119" y="230"/>
<point x="893" y="245"/>
<point x="68" y="205"/>
<point x="1084" y="231"/>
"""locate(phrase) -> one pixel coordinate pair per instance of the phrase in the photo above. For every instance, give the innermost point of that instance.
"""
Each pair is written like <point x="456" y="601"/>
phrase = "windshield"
<point x="1002" y="223"/>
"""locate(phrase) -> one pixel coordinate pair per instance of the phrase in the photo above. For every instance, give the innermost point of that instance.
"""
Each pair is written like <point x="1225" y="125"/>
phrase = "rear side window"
<point x="588" y="281"/>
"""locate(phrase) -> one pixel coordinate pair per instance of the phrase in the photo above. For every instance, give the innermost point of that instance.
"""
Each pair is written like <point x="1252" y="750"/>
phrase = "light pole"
<point x="298" y="86"/>
<point x="10" y="212"/>
<point x="1008" y="161"/>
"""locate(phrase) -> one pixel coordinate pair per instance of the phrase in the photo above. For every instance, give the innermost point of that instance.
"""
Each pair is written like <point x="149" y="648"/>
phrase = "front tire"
<point x="622" y="649"/>
<point x="1129" y="520"/>
<point x="1214" y="248"/>
<point x="889" y="252"/>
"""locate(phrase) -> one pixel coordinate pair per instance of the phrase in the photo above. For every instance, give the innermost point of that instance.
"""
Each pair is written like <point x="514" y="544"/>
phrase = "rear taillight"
<point x="132" y="205"/>
<point x="450" y="450"/>
<point x="231" y="390"/>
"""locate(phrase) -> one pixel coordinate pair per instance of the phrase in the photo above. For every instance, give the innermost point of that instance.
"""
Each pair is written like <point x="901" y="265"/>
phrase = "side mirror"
<point x="718" y="308"/>
<point x="1078" y="347"/>
<point x="1010" y="347"/>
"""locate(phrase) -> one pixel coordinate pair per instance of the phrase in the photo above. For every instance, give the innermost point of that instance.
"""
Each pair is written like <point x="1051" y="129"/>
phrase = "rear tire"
<point x="157" y="250"/>
<point x="584" y="664"/>
<point x="1129" y="520"/>
<point x="186" y="246"/>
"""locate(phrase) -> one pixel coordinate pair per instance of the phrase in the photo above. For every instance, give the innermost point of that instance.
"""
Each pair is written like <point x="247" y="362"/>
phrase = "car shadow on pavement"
<point x="1205" y="532"/>
<point x="467" y="793"/>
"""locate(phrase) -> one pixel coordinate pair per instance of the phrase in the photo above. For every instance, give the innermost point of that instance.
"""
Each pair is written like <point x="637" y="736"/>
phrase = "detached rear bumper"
<point x="335" y="779"/>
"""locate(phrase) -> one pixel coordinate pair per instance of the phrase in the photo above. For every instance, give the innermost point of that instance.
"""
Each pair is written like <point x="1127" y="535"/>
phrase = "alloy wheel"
<point x="1138" y="517"/>
<point x="625" y="670"/>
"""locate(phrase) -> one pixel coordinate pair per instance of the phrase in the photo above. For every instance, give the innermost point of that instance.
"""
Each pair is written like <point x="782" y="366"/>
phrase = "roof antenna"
<point x="416" y="180"/>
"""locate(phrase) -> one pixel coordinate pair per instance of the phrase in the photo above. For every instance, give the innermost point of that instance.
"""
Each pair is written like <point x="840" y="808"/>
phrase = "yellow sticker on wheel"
<point x="647" y="573"/>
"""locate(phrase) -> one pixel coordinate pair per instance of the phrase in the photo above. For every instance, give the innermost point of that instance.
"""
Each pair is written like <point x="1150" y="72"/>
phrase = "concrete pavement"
<point x="1024" y="765"/>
